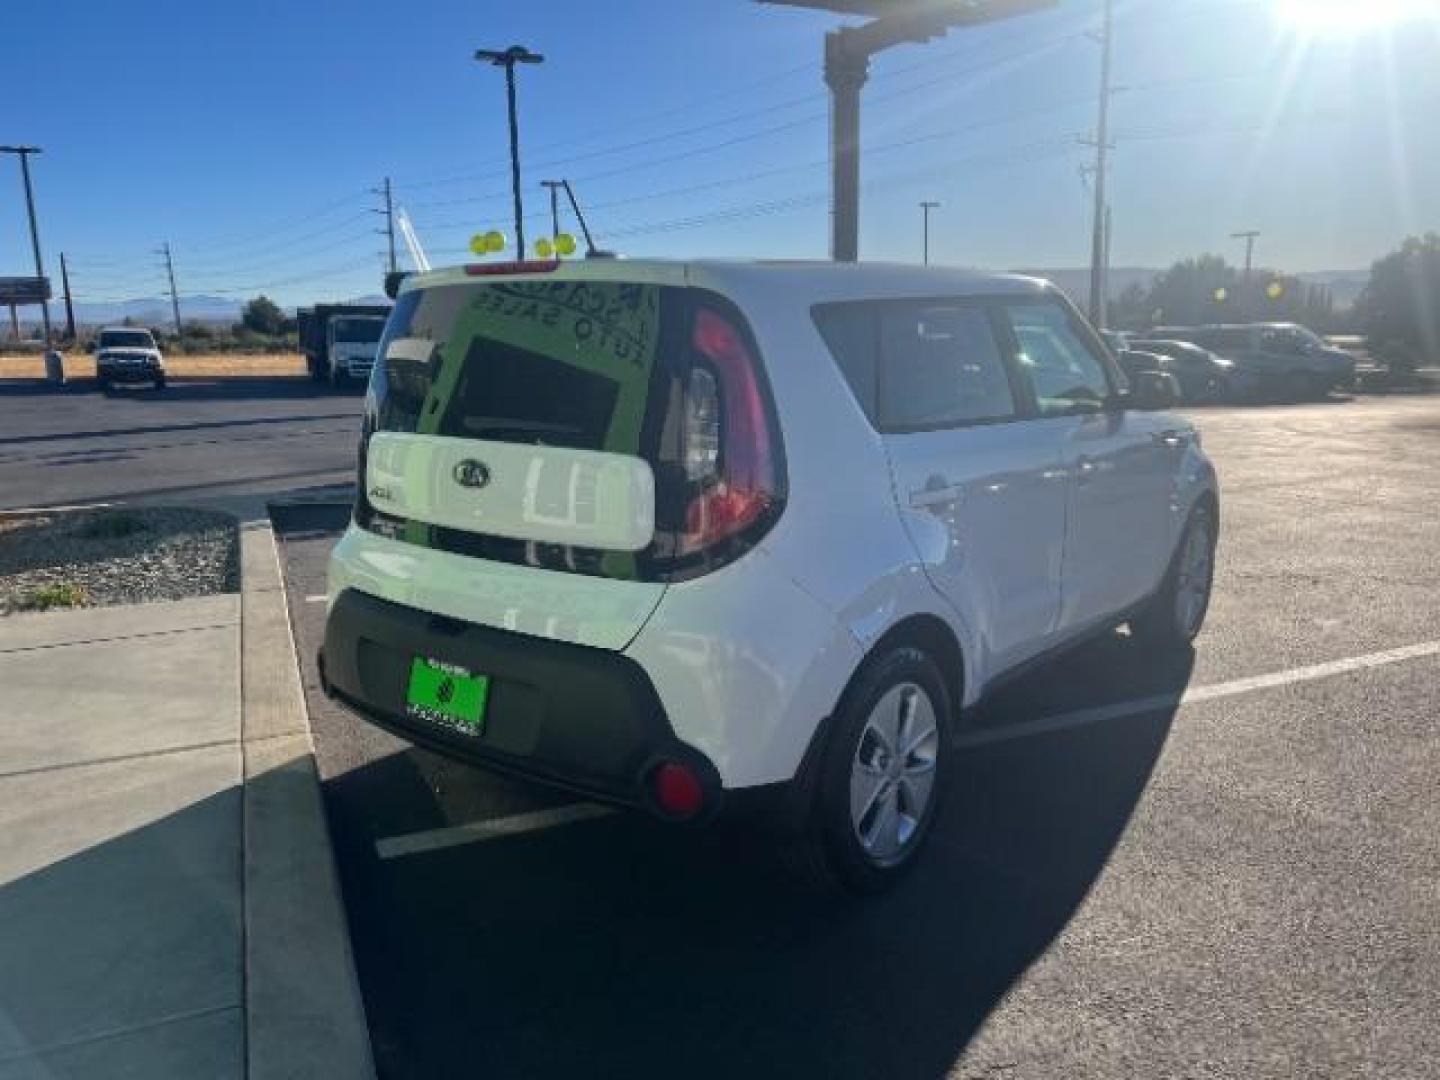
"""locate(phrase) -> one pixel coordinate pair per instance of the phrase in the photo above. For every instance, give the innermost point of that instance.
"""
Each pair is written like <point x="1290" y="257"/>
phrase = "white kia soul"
<point x="675" y="535"/>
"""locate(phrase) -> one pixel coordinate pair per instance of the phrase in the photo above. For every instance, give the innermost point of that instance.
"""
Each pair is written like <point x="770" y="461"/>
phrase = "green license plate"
<point x="447" y="695"/>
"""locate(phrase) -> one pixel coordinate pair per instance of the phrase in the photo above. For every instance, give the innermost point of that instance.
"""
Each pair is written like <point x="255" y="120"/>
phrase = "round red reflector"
<point x="677" y="789"/>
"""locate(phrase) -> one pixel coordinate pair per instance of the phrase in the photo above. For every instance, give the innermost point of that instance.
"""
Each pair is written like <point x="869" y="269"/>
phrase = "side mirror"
<point x="1153" y="390"/>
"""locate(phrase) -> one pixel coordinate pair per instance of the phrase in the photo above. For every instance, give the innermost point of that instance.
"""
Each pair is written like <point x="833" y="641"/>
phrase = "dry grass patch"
<point x="81" y="365"/>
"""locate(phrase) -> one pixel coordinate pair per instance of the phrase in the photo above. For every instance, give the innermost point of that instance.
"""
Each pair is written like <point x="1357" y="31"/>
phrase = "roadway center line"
<point x="515" y="825"/>
<point x="436" y="839"/>
<point x="1047" y="725"/>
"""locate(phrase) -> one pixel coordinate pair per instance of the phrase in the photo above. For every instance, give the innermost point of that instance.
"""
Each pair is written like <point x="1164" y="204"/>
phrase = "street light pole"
<point x="24" y="153"/>
<point x="508" y="58"/>
<point x="925" y="207"/>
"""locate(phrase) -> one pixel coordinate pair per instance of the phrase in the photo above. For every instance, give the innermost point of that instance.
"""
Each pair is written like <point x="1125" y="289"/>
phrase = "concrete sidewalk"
<point x="168" y="901"/>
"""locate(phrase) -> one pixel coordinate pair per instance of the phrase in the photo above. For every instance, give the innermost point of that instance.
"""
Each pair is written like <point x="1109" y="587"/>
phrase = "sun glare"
<point x="1348" y="16"/>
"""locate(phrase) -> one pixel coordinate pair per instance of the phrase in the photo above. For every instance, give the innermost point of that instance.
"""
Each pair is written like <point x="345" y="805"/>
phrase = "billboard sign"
<point x="24" y="290"/>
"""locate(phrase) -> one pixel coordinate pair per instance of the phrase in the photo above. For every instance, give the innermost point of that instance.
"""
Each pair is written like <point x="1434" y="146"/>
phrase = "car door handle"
<point x="1171" y="439"/>
<point x="935" y="492"/>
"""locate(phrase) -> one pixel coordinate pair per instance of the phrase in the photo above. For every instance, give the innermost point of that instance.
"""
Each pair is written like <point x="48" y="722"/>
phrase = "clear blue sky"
<point x="247" y="133"/>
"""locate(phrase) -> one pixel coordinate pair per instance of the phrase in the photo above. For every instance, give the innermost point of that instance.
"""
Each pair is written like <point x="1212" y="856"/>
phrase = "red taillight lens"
<point x="741" y="484"/>
<point x="677" y="790"/>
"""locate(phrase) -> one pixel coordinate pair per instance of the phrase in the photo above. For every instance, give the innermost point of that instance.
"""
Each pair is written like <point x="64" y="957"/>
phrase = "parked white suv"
<point x="672" y="535"/>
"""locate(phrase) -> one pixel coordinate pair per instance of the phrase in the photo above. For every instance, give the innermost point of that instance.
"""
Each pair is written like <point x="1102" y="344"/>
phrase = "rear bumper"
<point x="571" y="716"/>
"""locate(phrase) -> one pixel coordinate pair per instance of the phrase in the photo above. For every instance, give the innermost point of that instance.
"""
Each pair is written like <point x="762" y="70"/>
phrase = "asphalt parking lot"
<point x="199" y="438"/>
<point x="1226" y="866"/>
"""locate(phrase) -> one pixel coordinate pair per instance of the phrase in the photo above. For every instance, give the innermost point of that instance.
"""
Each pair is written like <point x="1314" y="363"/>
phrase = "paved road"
<point x="197" y="439"/>
<point x="1241" y="885"/>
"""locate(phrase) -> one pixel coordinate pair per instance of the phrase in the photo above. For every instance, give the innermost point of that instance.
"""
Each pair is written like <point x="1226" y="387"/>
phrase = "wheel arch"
<point x="935" y="637"/>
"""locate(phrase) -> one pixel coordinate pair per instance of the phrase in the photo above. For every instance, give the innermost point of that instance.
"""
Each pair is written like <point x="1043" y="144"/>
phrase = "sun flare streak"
<point x="1351" y="16"/>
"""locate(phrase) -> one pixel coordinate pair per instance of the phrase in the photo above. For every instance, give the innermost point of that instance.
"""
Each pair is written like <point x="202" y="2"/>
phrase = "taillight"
<point x="728" y="454"/>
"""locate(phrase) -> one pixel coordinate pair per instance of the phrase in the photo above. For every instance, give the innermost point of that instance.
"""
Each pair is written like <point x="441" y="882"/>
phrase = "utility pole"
<point x="174" y="296"/>
<point x="508" y="58"/>
<point x="389" y="231"/>
<point x="24" y="153"/>
<point x="1102" y="151"/>
<point x="1249" y="237"/>
<point x="554" y="186"/>
<point x="925" y="207"/>
<point x="69" y="301"/>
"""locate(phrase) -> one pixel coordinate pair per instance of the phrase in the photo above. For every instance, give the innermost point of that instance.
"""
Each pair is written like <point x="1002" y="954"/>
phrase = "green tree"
<point x="1131" y="309"/>
<point x="1400" y="306"/>
<point x="1200" y="290"/>
<point x="263" y="316"/>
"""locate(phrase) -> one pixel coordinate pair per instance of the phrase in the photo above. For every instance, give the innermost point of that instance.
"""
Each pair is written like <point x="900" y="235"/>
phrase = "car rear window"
<point x="554" y="363"/>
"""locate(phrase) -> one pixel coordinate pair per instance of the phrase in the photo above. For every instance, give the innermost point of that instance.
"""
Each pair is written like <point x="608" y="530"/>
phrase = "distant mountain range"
<point x="155" y="310"/>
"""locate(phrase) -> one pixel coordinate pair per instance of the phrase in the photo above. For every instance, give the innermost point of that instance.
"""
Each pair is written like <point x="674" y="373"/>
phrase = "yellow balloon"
<point x="494" y="240"/>
<point x="565" y="244"/>
<point x="1275" y="290"/>
<point x="543" y="248"/>
<point x="477" y="243"/>
<point x="1221" y="294"/>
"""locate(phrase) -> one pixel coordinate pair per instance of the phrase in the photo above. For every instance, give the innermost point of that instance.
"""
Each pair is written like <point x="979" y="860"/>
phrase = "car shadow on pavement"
<point x="618" y="947"/>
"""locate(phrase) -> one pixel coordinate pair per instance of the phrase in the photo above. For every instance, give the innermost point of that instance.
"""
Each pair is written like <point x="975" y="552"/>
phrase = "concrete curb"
<point x="304" y="1014"/>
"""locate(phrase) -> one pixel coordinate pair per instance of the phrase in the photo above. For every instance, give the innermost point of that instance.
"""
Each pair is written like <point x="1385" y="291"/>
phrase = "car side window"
<point x="940" y="366"/>
<point x="919" y="365"/>
<point x="1063" y="369"/>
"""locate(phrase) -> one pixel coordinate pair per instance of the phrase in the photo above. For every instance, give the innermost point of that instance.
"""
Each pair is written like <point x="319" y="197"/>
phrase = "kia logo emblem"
<point x="471" y="473"/>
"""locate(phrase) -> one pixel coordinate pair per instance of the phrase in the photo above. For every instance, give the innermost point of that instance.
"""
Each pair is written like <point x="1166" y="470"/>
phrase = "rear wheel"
<point x="1175" y="615"/>
<point x="882" y="775"/>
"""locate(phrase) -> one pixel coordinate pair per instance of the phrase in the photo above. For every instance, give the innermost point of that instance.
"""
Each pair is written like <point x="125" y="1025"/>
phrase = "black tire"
<point x="827" y="853"/>
<point x="1164" y="626"/>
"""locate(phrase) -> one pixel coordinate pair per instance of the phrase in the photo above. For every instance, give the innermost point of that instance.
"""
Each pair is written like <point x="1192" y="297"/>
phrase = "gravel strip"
<point x="94" y="558"/>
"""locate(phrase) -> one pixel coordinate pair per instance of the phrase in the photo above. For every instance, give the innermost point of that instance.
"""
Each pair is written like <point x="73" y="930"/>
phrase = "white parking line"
<point x="477" y="831"/>
<point x="316" y="598"/>
<point x="1048" y="725"/>
<point x="435" y="839"/>
<point x="18" y="511"/>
